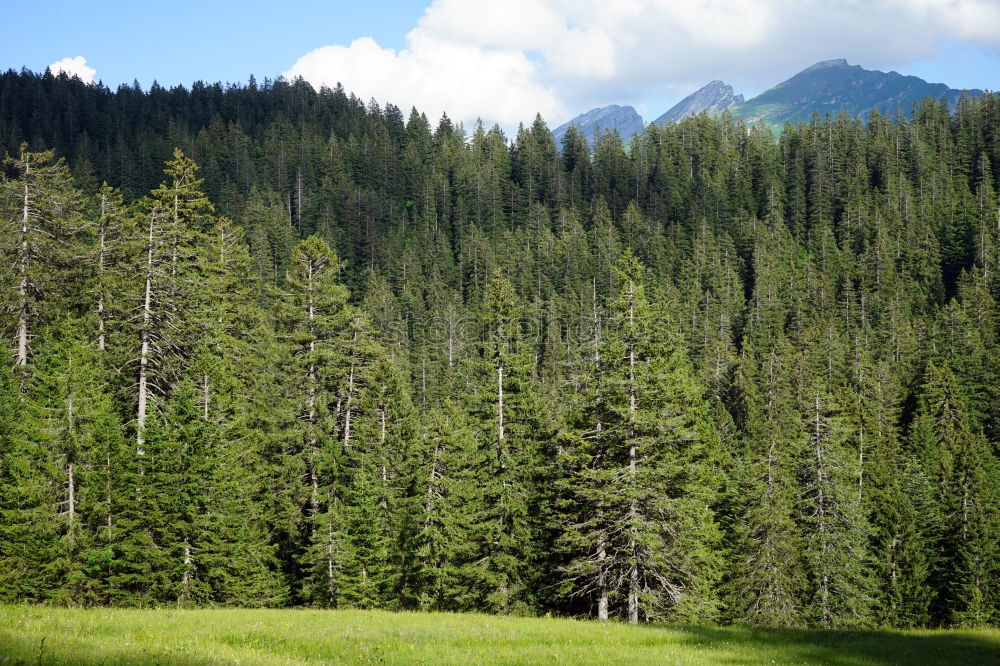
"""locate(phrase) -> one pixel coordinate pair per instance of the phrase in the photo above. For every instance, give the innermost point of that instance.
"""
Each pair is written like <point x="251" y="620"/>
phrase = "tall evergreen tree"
<point x="956" y="459"/>
<point x="767" y="579"/>
<point x="317" y="317"/>
<point x="835" y="529"/>
<point x="41" y="214"/>
<point x="503" y="395"/>
<point x="644" y="538"/>
<point x="439" y="556"/>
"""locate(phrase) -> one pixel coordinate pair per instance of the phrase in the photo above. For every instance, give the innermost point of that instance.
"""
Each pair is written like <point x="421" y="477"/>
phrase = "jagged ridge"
<point x="712" y="98"/>
<point x="625" y="119"/>
<point x="832" y="86"/>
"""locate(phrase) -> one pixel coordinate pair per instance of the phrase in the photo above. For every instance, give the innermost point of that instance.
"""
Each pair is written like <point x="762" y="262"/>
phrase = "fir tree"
<point x="955" y="458"/>
<point x="643" y="529"/>
<point x="767" y="579"/>
<point x="835" y="529"/>
<point x="443" y="492"/>
<point x="503" y="395"/>
<point x="29" y="529"/>
<point x="41" y="214"/>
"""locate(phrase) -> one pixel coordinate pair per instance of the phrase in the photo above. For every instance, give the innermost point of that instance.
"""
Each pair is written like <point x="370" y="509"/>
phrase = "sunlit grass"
<point x="39" y="635"/>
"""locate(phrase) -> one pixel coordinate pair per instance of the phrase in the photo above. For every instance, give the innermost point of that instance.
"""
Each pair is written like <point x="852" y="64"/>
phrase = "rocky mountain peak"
<point x="711" y="98"/>
<point x="834" y="86"/>
<point x="826" y="64"/>
<point x="625" y="119"/>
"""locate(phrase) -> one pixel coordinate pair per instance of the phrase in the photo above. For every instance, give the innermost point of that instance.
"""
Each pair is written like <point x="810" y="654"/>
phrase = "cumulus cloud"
<point x="435" y="75"/>
<point x="973" y="20"/>
<point x="505" y="61"/>
<point x="74" y="67"/>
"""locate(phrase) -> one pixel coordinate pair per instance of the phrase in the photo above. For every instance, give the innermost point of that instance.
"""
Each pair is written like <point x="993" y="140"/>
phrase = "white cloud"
<point x="975" y="20"/>
<point x="74" y="67"/>
<point x="506" y="60"/>
<point x="436" y="75"/>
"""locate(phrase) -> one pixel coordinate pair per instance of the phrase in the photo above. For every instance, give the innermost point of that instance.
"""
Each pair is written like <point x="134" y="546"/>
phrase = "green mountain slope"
<point x="833" y="86"/>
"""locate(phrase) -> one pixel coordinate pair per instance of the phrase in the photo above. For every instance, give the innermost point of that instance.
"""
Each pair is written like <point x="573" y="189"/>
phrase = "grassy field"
<point x="37" y="635"/>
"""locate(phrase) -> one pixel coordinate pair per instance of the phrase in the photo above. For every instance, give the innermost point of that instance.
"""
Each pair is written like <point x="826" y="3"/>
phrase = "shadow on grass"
<point x="734" y="646"/>
<point x="34" y="651"/>
<point x="756" y="645"/>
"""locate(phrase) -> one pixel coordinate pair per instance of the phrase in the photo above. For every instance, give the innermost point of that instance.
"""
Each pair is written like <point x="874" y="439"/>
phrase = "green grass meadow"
<point x="41" y="635"/>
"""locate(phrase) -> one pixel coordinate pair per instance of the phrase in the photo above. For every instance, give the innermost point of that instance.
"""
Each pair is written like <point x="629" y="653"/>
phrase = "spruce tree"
<point x="29" y="528"/>
<point x="503" y="397"/>
<point x="835" y="530"/>
<point x="643" y="531"/>
<point x="438" y="554"/>
<point x="41" y="216"/>
<point x="366" y="571"/>
<point x="955" y="457"/>
<point x="767" y="576"/>
<point x="77" y="429"/>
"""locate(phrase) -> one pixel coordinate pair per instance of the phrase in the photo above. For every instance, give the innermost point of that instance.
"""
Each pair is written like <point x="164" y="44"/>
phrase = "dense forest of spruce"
<point x="270" y="346"/>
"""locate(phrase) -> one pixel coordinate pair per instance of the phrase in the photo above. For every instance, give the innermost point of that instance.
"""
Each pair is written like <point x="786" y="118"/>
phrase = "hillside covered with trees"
<point x="271" y="347"/>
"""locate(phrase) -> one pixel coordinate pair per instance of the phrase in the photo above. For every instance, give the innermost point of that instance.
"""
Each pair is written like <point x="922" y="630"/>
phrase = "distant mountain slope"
<point x="613" y="117"/>
<point x="713" y="97"/>
<point x="832" y="86"/>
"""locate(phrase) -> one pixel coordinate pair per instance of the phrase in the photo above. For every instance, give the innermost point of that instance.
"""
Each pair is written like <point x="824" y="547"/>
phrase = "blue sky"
<point x="182" y="41"/>
<point x="503" y="61"/>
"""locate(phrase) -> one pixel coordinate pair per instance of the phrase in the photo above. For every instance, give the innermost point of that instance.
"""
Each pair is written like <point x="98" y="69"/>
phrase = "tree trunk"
<point x="451" y="342"/>
<point x="298" y="199"/>
<point x="500" y="429"/>
<point x="602" y="582"/>
<point x="311" y="396"/>
<point x="71" y="497"/>
<point x="381" y="445"/>
<point x="100" y="275"/>
<point x="71" y="481"/>
<point x="107" y="495"/>
<point x="147" y="306"/>
<point x="602" y="554"/>
<point x="348" y="409"/>
<point x="597" y="361"/>
<point x="186" y="577"/>
<point x="633" y="575"/>
<point x="331" y="579"/>
<point x="824" y="578"/>
<point x="205" y="397"/>
<point x="429" y="501"/>
<point x="22" y="291"/>
<point x="176" y="240"/>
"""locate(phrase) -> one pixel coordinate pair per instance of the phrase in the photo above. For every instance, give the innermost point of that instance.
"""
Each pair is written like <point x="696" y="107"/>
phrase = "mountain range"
<point x="830" y="86"/>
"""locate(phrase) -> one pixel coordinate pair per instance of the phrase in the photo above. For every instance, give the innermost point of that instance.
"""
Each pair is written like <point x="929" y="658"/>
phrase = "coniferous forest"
<point x="276" y="347"/>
